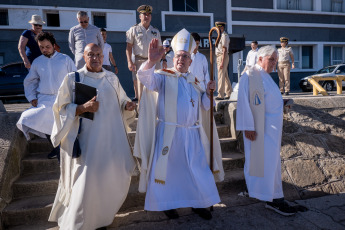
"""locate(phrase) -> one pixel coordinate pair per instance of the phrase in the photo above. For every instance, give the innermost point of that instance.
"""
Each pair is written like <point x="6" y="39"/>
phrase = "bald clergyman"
<point x="92" y="187"/>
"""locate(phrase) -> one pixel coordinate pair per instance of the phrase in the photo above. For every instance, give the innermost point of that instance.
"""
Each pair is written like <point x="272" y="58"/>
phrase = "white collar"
<point x="93" y="74"/>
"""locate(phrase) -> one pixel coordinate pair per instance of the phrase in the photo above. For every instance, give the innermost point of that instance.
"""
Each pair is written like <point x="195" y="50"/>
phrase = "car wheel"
<point x="328" y="85"/>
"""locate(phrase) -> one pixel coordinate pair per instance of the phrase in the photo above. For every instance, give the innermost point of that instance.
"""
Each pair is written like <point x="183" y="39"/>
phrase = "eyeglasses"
<point x="91" y="55"/>
<point x="82" y="22"/>
<point x="38" y="25"/>
<point x="183" y="56"/>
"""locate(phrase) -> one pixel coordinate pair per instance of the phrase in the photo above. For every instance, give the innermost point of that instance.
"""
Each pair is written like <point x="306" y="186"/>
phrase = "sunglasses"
<point x="38" y="25"/>
<point x="82" y="22"/>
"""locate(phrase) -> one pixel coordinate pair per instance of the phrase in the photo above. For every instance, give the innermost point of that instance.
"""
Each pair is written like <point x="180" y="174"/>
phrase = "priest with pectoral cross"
<point x="171" y="140"/>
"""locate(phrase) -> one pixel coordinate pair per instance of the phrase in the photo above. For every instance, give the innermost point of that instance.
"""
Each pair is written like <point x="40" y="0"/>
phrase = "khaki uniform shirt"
<point x="284" y="54"/>
<point x="140" y="38"/>
<point x="224" y="42"/>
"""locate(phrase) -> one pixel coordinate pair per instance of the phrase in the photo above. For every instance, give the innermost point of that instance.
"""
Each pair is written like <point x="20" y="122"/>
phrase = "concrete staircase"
<point x="34" y="191"/>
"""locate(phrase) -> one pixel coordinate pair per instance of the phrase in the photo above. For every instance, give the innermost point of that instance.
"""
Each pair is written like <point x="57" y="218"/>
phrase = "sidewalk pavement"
<point x="326" y="212"/>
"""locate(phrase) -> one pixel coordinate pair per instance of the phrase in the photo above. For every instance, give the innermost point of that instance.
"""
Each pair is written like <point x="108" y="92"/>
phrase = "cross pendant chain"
<point x="191" y="100"/>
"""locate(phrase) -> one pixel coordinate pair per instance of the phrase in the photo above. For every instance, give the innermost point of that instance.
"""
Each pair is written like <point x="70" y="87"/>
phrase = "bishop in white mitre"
<point x="92" y="187"/>
<point x="171" y="141"/>
<point x="260" y="117"/>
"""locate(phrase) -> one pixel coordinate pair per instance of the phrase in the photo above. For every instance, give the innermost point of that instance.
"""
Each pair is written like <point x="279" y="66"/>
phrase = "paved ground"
<point x="326" y="212"/>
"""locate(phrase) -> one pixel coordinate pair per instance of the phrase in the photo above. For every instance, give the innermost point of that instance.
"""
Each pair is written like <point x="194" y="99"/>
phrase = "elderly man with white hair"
<point x="81" y="35"/>
<point x="260" y="117"/>
<point x="175" y="153"/>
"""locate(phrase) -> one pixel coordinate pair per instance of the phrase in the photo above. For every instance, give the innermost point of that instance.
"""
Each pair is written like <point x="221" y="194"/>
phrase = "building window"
<point x="333" y="5"/>
<point x="296" y="54"/>
<point x="333" y="55"/>
<point x="337" y="55"/>
<point x="295" y="4"/>
<point x="326" y="56"/>
<point x="99" y="19"/>
<point x="53" y="18"/>
<point x="307" y="57"/>
<point x="185" y="5"/>
<point x="4" y="17"/>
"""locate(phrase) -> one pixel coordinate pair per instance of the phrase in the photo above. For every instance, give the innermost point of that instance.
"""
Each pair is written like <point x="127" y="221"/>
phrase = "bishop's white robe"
<point x="199" y="68"/>
<point x="92" y="187"/>
<point x="268" y="187"/>
<point x="42" y="83"/>
<point x="189" y="180"/>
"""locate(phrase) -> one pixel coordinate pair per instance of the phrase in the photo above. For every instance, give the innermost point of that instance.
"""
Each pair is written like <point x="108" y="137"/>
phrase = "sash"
<point x="257" y="106"/>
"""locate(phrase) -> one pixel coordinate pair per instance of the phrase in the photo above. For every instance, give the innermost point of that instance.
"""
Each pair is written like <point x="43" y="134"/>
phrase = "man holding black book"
<point x="93" y="186"/>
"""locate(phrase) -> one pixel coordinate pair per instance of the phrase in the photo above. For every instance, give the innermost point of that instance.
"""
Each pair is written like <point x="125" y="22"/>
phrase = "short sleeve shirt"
<point x="140" y="38"/>
<point x="32" y="49"/>
<point x="107" y="49"/>
<point x="284" y="54"/>
<point x="224" y="42"/>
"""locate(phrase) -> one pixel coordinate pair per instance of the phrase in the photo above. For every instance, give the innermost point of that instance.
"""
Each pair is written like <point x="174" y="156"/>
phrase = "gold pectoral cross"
<point x="191" y="100"/>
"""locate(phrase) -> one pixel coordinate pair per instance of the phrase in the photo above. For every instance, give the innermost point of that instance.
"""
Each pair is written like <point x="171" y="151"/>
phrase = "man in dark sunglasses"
<point x="81" y="35"/>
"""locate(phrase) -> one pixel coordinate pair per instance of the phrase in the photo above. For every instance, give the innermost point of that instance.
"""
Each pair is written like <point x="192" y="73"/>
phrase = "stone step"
<point x="36" y="185"/>
<point x="45" y="182"/>
<point x="42" y="145"/>
<point x="35" y="210"/>
<point x="37" y="226"/>
<point x="39" y="145"/>
<point x="39" y="163"/>
<point x="27" y="211"/>
<point x="228" y="144"/>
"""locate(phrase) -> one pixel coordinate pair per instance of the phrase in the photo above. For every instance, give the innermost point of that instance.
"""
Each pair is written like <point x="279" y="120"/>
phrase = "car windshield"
<point x="329" y="69"/>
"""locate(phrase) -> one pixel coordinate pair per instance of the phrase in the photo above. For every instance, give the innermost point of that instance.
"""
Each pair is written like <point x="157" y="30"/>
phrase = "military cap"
<point x="144" y="9"/>
<point x="284" y="39"/>
<point x="220" y="24"/>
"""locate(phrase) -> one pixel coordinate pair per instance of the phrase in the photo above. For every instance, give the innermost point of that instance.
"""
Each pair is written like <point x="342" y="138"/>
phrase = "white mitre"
<point x="183" y="40"/>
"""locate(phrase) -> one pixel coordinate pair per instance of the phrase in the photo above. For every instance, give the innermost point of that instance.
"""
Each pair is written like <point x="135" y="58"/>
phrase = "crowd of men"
<point x="172" y="82"/>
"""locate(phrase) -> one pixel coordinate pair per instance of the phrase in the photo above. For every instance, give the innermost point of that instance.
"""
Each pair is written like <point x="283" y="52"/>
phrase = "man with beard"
<point x="41" y="86"/>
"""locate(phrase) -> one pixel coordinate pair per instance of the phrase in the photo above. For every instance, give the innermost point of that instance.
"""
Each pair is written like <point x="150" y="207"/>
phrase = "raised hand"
<point x="155" y="51"/>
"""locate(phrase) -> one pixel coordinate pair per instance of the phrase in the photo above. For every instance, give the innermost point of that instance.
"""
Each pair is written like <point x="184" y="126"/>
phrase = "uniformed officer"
<point x="138" y="38"/>
<point x="284" y="55"/>
<point x="224" y="84"/>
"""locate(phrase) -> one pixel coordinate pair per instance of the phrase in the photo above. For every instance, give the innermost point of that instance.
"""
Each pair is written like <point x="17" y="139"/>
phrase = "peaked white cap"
<point x="183" y="41"/>
<point x="166" y="43"/>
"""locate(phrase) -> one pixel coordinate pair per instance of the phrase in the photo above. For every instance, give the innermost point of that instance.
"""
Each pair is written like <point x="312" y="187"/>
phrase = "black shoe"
<point x="102" y="228"/>
<point x="135" y="99"/>
<point x="283" y="208"/>
<point x="226" y="98"/>
<point x="219" y="98"/>
<point x="53" y="154"/>
<point x="286" y="93"/>
<point x="171" y="214"/>
<point x="203" y="213"/>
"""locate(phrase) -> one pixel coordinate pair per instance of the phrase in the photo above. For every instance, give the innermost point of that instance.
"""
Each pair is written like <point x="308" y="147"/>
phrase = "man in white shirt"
<point x="169" y="54"/>
<point x="81" y="35"/>
<point x="199" y="66"/>
<point x="251" y="56"/>
<point x="41" y="87"/>
<point x="108" y="53"/>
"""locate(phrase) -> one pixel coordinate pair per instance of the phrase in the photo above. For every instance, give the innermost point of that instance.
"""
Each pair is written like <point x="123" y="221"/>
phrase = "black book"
<point x="83" y="94"/>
